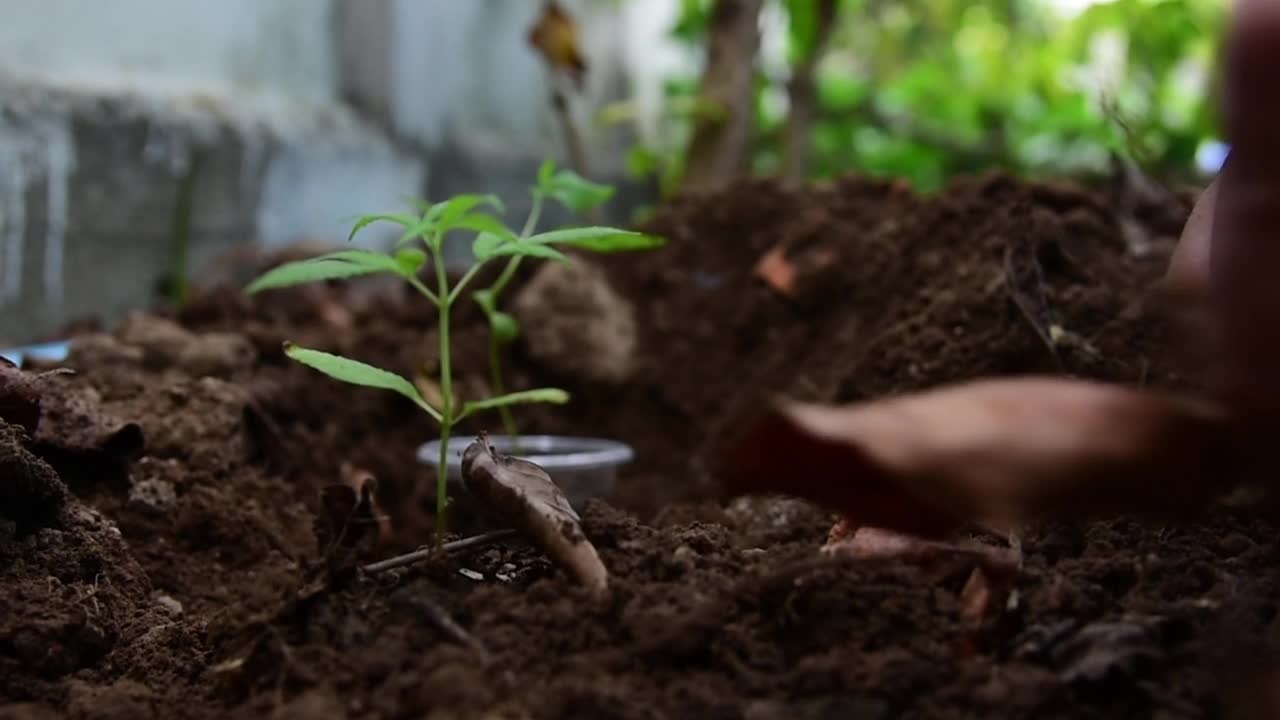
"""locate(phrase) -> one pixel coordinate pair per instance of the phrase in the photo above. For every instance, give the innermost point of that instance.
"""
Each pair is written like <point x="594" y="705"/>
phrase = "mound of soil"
<point x="181" y="578"/>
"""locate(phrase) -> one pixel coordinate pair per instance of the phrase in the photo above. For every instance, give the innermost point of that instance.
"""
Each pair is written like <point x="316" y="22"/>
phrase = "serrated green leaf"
<point x="480" y="222"/>
<point x="555" y="396"/>
<point x="599" y="239"/>
<point x="576" y="192"/>
<point x="504" y="327"/>
<point x="333" y="266"/>
<point x="454" y="208"/>
<point x="486" y="245"/>
<point x="411" y="260"/>
<point x="365" y="221"/>
<point x="526" y="249"/>
<point x="358" y="373"/>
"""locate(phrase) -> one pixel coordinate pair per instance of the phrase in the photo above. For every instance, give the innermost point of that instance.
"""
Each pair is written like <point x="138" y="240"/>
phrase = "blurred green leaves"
<point x="927" y="89"/>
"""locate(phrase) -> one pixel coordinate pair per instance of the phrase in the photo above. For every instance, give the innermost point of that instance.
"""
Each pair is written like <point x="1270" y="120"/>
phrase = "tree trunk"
<point x="802" y="93"/>
<point x="721" y="144"/>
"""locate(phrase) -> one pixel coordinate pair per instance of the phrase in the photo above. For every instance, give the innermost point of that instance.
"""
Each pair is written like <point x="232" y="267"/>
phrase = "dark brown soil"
<point x="182" y="580"/>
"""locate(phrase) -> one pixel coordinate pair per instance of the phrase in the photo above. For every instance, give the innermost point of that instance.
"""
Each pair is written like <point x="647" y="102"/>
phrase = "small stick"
<point x="423" y="554"/>
<point x="450" y="627"/>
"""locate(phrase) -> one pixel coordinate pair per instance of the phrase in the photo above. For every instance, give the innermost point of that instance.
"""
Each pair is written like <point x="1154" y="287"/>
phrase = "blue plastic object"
<point x="52" y="352"/>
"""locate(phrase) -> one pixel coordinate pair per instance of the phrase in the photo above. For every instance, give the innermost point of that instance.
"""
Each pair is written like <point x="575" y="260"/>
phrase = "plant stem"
<point x="183" y="214"/>
<point x="495" y="344"/>
<point x="455" y="546"/>
<point x="495" y="379"/>
<point x="446" y="392"/>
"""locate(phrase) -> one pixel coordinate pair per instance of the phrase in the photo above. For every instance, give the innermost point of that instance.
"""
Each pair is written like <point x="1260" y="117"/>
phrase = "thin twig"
<point x="450" y="627"/>
<point x="425" y="553"/>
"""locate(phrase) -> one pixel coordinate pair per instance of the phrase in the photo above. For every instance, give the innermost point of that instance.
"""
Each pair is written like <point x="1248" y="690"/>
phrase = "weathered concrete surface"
<point x="300" y="113"/>
<point x="88" y="189"/>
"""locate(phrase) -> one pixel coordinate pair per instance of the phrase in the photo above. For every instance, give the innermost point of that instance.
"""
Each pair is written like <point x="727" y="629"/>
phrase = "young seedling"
<point x="581" y="196"/>
<point x="420" y="246"/>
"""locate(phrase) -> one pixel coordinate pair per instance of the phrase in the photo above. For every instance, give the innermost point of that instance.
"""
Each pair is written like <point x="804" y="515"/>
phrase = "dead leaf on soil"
<point x="776" y="270"/>
<point x="782" y="273"/>
<point x="1002" y="453"/>
<point x="524" y="495"/>
<point x="940" y="560"/>
<point x="555" y="36"/>
<point x="989" y="571"/>
<point x="350" y="526"/>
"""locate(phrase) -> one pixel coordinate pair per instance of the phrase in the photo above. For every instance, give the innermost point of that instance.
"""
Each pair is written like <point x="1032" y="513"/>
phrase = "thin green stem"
<point x="495" y="344"/>
<point x="417" y="285"/>
<point x="446" y="392"/>
<point x="495" y="379"/>
<point x="457" y="289"/>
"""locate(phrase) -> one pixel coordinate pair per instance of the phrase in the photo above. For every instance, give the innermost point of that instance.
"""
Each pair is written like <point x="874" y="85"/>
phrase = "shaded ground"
<point x="178" y="581"/>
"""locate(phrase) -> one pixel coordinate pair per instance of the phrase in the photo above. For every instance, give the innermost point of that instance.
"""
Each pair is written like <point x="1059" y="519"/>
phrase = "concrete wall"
<point x="296" y="114"/>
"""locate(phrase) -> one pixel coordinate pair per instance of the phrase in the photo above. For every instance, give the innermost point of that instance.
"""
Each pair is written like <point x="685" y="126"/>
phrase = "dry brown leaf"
<point x="524" y="495"/>
<point x="939" y="559"/>
<point x="555" y="35"/>
<point x="1002" y="453"/>
<point x="777" y="271"/>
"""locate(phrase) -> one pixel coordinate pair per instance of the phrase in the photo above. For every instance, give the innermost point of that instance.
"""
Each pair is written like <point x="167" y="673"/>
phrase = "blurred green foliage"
<point x="926" y="89"/>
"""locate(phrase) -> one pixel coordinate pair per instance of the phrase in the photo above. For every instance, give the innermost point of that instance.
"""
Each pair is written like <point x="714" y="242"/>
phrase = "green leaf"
<point x="334" y="266"/>
<point x="575" y="192"/>
<point x="357" y="373"/>
<point x="484" y="298"/>
<point x="365" y="221"/>
<point x="541" y="395"/>
<point x="545" y="172"/>
<point x="527" y="249"/>
<point x="480" y="222"/>
<point x="486" y="246"/>
<point x="451" y="210"/>
<point x="411" y="260"/>
<point x="424" y="206"/>
<point x="599" y="239"/>
<point x="504" y="327"/>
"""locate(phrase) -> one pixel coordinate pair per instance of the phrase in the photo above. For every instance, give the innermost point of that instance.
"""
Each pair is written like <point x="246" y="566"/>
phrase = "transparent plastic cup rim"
<point x="551" y="452"/>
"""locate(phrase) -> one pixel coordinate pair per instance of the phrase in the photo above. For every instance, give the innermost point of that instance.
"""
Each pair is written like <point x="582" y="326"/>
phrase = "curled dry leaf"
<point x="1002" y="453"/>
<point x="350" y="526"/>
<point x="555" y="35"/>
<point x="941" y="560"/>
<point x="525" y="496"/>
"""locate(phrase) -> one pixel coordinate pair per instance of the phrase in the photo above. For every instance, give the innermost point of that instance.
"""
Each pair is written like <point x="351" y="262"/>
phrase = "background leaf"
<point x="401" y="219"/>
<point x="554" y="396"/>
<point x="504" y="327"/>
<point x="527" y="249"/>
<point x="334" y="266"/>
<point x="575" y="192"/>
<point x="599" y="239"/>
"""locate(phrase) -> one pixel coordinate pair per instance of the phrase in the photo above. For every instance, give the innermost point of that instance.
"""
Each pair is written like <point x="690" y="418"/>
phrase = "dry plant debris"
<point x="524" y="495"/>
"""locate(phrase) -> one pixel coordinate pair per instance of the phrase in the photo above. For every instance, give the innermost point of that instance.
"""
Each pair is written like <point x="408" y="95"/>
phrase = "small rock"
<point x="573" y="321"/>
<point x="152" y="496"/>
<point x="470" y="574"/>
<point x="171" y="605"/>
